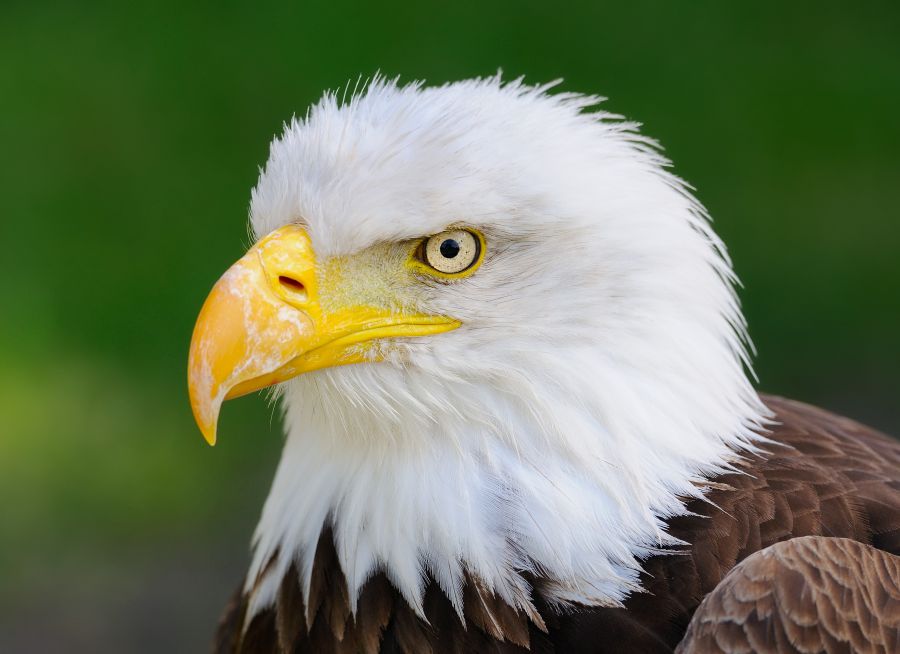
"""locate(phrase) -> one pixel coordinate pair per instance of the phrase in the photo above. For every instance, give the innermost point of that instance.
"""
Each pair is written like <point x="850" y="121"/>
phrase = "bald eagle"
<point x="547" y="440"/>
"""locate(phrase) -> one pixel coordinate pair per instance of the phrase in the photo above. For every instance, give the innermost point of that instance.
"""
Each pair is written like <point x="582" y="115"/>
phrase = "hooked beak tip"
<point x="210" y="435"/>
<point x="206" y="415"/>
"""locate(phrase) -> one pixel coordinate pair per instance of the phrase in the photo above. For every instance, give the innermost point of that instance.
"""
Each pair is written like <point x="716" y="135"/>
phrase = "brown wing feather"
<point x="823" y="476"/>
<point x="811" y="594"/>
<point x="231" y="624"/>
<point x="289" y="623"/>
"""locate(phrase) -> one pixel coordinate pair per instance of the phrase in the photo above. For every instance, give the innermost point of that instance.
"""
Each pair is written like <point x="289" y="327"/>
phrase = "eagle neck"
<point x="570" y="493"/>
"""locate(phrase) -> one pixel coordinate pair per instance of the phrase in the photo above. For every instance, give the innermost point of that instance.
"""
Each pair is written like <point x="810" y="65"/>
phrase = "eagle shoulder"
<point x="807" y="594"/>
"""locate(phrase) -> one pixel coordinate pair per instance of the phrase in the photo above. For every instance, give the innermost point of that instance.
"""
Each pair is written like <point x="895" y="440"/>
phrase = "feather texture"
<point x="807" y="595"/>
<point x="824" y="477"/>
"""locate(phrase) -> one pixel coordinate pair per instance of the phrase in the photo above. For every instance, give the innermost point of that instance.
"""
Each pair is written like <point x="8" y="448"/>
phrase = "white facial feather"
<point x="598" y="377"/>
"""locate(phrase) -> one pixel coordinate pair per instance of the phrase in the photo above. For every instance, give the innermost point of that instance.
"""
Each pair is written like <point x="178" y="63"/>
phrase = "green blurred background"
<point x="131" y="136"/>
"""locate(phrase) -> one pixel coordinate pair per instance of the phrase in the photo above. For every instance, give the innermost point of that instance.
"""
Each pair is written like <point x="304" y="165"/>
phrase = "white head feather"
<point x="599" y="375"/>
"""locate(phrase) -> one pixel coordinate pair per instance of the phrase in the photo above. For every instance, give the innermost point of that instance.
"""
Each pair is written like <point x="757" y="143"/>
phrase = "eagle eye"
<point x="452" y="252"/>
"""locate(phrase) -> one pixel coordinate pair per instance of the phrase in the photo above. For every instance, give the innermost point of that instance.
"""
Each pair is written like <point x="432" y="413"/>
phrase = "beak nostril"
<point x="294" y="286"/>
<point x="290" y="282"/>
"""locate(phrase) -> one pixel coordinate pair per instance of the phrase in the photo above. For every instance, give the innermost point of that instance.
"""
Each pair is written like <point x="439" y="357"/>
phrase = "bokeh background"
<point x="131" y="134"/>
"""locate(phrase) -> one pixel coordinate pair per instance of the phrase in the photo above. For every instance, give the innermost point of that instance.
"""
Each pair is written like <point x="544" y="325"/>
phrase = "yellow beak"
<point x="264" y="323"/>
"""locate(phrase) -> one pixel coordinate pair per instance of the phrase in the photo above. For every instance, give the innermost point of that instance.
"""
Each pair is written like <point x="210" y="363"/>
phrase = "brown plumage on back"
<point x="808" y="594"/>
<point x="823" y="476"/>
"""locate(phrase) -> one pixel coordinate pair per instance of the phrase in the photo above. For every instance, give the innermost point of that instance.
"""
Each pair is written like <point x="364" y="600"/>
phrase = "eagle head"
<point x="505" y="337"/>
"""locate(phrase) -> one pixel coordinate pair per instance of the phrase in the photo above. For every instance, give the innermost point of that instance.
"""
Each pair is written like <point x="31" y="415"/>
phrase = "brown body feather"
<point x="824" y="476"/>
<point x="810" y="594"/>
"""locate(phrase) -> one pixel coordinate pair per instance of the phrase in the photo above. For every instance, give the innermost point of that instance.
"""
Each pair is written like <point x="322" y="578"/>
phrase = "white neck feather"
<point x="411" y="486"/>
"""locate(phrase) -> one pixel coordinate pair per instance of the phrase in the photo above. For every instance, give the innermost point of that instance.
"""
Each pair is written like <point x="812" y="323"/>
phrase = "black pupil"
<point x="449" y="248"/>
